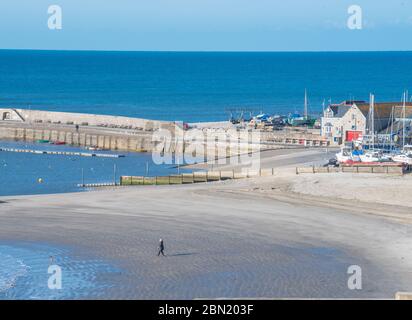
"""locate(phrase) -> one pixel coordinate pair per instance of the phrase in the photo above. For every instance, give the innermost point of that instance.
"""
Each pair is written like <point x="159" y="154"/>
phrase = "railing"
<point x="194" y="177"/>
<point x="386" y="169"/>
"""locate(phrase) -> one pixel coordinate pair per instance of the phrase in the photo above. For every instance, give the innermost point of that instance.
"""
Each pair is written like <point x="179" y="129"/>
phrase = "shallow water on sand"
<point x="24" y="273"/>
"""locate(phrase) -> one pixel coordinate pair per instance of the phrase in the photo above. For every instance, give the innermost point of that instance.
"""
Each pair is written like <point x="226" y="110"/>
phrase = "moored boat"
<point x="58" y="143"/>
<point x="96" y="148"/>
<point x="403" y="158"/>
<point x="347" y="155"/>
<point x="373" y="156"/>
<point x="407" y="149"/>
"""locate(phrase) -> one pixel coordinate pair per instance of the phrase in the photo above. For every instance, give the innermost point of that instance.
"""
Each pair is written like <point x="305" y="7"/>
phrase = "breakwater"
<point x="140" y="135"/>
<point x="83" y="130"/>
<point x="83" y="137"/>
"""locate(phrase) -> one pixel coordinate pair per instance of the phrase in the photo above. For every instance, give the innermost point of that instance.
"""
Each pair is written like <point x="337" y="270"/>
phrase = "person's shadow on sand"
<point x="182" y="254"/>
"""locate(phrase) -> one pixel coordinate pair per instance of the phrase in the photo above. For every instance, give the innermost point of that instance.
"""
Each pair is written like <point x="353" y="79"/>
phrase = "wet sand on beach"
<point x="266" y="237"/>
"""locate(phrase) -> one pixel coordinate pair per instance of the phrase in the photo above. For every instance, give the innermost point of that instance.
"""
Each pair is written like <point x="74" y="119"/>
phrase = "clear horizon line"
<point x="207" y="51"/>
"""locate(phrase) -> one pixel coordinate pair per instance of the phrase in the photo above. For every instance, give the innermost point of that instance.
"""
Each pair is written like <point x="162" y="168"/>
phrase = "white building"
<point x="348" y="120"/>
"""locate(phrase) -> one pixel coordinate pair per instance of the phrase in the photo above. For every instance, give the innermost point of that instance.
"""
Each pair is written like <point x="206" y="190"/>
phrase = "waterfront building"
<point x="349" y="120"/>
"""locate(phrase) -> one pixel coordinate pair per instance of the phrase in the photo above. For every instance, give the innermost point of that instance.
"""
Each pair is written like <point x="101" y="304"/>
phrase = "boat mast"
<point x="404" y="119"/>
<point x="392" y="121"/>
<point x="372" y="119"/>
<point x="389" y="126"/>
<point x="305" y="111"/>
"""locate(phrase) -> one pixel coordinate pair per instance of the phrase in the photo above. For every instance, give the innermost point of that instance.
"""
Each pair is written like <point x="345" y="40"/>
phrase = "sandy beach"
<point x="206" y="150"/>
<point x="286" y="236"/>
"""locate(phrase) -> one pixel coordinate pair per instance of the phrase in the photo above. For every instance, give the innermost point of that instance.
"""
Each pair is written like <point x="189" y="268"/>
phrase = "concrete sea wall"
<point x="88" y="130"/>
<point x="84" y="139"/>
<point x="142" y="135"/>
<point x="51" y="117"/>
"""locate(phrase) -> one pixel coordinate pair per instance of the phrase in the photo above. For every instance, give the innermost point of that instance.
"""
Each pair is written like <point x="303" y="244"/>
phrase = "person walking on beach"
<point x="161" y="248"/>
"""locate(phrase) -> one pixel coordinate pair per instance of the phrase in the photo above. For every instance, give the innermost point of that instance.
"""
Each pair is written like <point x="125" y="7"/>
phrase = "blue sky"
<point x="207" y="25"/>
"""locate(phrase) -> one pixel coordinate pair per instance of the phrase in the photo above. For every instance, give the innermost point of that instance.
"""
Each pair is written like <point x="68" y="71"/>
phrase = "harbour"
<point x="107" y="136"/>
<point x="238" y="173"/>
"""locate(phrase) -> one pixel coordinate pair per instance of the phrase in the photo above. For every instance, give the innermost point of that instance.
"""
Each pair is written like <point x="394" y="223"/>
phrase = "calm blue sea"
<point x="24" y="273"/>
<point x="175" y="86"/>
<point x="20" y="172"/>
<point x="196" y="86"/>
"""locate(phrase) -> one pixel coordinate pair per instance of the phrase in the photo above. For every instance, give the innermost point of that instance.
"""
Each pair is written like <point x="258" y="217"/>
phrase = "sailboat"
<point x="407" y="149"/>
<point x="347" y="155"/>
<point x="372" y="155"/>
<point x="297" y="120"/>
<point x="406" y="155"/>
<point x="403" y="158"/>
